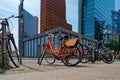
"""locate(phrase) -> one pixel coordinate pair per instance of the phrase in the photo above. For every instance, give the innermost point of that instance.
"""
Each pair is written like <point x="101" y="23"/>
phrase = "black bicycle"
<point x="88" y="54"/>
<point x="11" y="47"/>
<point x="100" y="53"/>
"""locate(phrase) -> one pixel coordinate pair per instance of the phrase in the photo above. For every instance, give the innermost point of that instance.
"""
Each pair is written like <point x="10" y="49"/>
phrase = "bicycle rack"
<point x="4" y="43"/>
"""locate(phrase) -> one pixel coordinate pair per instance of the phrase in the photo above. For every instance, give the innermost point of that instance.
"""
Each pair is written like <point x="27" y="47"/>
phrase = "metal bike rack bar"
<point x="4" y="43"/>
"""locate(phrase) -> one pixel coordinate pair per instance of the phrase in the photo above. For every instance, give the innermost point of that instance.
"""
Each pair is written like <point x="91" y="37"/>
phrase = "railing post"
<point x="4" y="45"/>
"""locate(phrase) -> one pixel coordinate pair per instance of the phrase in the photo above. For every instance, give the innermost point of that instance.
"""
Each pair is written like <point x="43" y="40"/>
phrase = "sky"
<point x="117" y="4"/>
<point x="10" y="7"/>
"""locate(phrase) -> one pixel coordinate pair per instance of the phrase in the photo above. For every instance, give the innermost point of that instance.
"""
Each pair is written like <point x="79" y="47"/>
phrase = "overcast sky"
<point x="9" y="7"/>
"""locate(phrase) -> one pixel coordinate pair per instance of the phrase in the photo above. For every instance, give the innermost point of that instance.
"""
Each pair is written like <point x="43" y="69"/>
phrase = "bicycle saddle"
<point x="63" y="37"/>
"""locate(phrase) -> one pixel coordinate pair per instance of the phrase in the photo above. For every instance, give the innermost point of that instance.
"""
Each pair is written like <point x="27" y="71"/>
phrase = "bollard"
<point x="4" y="45"/>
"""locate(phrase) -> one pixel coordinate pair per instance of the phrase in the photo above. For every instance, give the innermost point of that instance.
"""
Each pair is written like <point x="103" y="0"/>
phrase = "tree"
<point x="114" y="45"/>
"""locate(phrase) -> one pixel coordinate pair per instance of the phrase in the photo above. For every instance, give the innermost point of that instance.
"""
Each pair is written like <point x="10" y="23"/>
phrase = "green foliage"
<point x="114" y="45"/>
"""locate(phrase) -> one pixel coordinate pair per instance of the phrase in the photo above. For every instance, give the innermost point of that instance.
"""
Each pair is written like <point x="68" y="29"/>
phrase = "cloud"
<point x="9" y="7"/>
<point x="17" y="2"/>
<point x="32" y="6"/>
<point x="2" y="8"/>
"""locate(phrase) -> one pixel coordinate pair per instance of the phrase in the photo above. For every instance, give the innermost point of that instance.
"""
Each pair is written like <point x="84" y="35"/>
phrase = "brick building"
<point x="53" y="15"/>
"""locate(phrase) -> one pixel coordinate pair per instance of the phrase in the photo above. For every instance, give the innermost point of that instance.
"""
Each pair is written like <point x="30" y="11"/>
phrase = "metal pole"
<point x="4" y="45"/>
<point x="21" y="25"/>
<point x="80" y="18"/>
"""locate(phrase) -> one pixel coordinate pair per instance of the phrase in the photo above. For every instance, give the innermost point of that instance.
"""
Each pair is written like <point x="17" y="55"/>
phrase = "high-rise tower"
<point x="94" y="16"/>
<point x="30" y="24"/>
<point x="116" y="21"/>
<point x="53" y="15"/>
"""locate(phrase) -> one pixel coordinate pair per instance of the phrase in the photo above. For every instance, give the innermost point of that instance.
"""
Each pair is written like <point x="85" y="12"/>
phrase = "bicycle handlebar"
<point x="101" y="40"/>
<point x="12" y="16"/>
<point x="51" y="35"/>
<point x="6" y="20"/>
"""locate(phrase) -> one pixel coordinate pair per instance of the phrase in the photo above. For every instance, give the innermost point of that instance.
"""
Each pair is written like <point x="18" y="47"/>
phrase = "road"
<point x="30" y="70"/>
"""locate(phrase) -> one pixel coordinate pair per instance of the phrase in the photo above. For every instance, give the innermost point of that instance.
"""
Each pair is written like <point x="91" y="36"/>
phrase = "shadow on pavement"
<point x="32" y="68"/>
<point x="62" y="65"/>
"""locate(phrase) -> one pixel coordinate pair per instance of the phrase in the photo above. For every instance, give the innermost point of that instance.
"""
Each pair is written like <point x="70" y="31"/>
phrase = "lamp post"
<point x="21" y="25"/>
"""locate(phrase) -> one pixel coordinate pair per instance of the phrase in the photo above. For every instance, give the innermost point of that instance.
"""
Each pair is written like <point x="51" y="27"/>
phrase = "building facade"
<point x="94" y="16"/>
<point x="116" y="21"/>
<point x="111" y="37"/>
<point x="29" y="24"/>
<point x="53" y="15"/>
<point x="37" y="26"/>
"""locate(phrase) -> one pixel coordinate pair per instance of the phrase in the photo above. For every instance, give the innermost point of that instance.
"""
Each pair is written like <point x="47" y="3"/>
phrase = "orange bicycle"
<point x="69" y="54"/>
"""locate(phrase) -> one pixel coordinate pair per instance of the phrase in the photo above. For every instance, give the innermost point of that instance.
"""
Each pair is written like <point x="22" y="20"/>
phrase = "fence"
<point x="33" y="46"/>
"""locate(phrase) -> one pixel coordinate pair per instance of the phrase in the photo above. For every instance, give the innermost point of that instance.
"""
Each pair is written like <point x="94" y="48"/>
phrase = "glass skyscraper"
<point x="94" y="15"/>
<point x="116" y="21"/>
<point x="29" y="25"/>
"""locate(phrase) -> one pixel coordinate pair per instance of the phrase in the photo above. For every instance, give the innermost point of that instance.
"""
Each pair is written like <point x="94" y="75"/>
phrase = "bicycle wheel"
<point x="93" y="57"/>
<point x="80" y="47"/>
<point x="85" y="57"/>
<point x="107" y="57"/>
<point x="13" y="51"/>
<point x="74" y="58"/>
<point x="49" y="57"/>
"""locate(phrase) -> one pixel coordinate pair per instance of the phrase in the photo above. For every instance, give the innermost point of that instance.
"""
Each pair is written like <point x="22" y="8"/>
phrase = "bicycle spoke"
<point x="74" y="57"/>
<point x="49" y="57"/>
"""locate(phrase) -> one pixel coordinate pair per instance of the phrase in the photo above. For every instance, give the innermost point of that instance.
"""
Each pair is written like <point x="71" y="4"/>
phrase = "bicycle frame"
<point x="69" y="55"/>
<point x="99" y="49"/>
<point x="56" y="53"/>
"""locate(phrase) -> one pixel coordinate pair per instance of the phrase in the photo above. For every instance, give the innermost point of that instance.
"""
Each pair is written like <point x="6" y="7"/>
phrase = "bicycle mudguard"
<point x="71" y="42"/>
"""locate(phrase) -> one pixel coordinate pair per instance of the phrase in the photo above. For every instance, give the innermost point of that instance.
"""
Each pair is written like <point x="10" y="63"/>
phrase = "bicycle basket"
<point x="71" y="42"/>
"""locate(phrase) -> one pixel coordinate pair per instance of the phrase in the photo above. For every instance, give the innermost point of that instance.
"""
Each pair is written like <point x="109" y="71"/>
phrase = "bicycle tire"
<point x="92" y="58"/>
<point x="91" y="54"/>
<point x="74" y="58"/>
<point x="40" y="58"/>
<point x="85" y="54"/>
<point x="49" y="57"/>
<point x="107" y="57"/>
<point x="13" y="51"/>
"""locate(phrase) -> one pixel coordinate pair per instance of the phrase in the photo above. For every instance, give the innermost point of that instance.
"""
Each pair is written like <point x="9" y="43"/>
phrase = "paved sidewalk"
<point x="32" y="71"/>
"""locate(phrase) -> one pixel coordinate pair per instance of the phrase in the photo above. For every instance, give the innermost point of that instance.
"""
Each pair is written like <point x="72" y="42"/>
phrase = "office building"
<point x="53" y="15"/>
<point x="37" y="26"/>
<point x="94" y="15"/>
<point x="29" y="24"/>
<point x="116" y="21"/>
